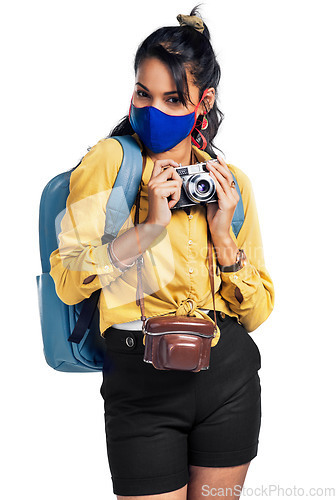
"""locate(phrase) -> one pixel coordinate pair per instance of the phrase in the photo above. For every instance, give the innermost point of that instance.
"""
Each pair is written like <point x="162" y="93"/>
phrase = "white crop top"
<point x="137" y="324"/>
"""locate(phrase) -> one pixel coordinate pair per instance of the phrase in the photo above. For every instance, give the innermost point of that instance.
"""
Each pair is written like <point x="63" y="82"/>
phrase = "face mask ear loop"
<point x="204" y="93"/>
<point x="129" y="111"/>
<point x="204" y="141"/>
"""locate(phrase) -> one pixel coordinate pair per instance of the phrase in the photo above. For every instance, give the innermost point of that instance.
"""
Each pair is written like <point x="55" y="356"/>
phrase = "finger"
<point x="169" y="189"/>
<point x="176" y="176"/>
<point x="219" y="188"/>
<point x="170" y="173"/>
<point x="165" y="189"/>
<point x="224" y="177"/>
<point x="230" y="177"/>
<point x="160" y="164"/>
<point x="222" y="167"/>
<point x="221" y="161"/>
<point x="173" y="199"/>
<point x="223" y="183"/>
<point x="169" y="184"/>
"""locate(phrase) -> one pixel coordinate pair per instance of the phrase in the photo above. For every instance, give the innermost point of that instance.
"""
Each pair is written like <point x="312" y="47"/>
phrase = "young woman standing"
<point x="171" y="434"/>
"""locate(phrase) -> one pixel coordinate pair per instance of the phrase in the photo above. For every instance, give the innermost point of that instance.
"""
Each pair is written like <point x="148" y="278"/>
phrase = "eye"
<point x="175" y="100"/>
<point x="142" y="93"/>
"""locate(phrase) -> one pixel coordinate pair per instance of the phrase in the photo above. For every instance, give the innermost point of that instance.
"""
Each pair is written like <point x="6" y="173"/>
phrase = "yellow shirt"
<point x="175" y="268"/>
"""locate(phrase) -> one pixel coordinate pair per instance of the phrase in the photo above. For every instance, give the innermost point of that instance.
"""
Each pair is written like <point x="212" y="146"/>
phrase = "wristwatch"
<point x="241" y="261"/>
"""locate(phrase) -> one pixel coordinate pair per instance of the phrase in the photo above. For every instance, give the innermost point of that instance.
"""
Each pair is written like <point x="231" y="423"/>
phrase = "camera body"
<point x="198" y="186"/>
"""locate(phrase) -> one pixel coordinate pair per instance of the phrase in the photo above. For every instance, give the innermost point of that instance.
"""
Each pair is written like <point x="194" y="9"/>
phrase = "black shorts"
<point x="157" y="422"/>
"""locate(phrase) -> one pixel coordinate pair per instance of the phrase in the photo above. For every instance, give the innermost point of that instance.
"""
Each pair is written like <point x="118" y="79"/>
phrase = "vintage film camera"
<point x="198" y="186"/>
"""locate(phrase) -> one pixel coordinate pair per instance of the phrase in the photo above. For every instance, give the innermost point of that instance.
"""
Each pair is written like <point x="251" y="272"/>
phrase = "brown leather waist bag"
<point x="177" y="342"/>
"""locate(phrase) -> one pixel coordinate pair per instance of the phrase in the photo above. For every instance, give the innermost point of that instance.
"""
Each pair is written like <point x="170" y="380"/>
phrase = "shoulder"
<point x="98" y="168"/>
<point x="101" y="156"/>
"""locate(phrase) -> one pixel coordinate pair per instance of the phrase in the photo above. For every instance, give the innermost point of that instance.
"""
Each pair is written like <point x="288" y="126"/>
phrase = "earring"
<point x="205" y="123"/>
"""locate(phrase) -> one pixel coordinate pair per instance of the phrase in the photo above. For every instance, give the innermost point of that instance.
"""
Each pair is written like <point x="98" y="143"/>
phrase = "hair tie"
<point x="193" y="21"/>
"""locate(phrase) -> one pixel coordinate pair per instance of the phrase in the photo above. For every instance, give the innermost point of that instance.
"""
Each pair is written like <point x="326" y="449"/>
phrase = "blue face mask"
<point x="158" y="131"/>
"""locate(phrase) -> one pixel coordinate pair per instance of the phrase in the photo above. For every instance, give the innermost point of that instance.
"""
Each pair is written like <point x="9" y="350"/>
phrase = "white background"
<point x="67" y="79"/>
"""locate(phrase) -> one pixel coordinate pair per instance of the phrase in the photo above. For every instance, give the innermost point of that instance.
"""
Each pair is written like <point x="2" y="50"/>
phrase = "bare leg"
<point x="210" y="480"/>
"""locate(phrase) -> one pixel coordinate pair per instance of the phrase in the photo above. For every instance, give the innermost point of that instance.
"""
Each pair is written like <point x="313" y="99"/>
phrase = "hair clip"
<point x="193" y="21"/>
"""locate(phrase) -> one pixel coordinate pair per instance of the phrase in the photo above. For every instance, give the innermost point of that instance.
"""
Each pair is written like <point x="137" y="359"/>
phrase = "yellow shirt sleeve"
<point x="80" y="253"/>
<point x="253" y="280"/>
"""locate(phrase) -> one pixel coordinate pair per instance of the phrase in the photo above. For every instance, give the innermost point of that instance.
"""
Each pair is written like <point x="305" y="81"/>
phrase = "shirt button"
<point x="107" y="268"/>
<point x="190" y="216"/>
<point x="190" y="269"/>
<point x="189" y="242"/>
<point x="235" y="277"/>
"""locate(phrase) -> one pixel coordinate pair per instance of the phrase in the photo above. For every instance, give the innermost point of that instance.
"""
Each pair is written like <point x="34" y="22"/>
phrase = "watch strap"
<point x="240" y="257"/>
<point x="229" y="269"/>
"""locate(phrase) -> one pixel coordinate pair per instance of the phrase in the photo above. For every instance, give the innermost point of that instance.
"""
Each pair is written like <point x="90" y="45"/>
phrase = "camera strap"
<point x="140" y="263"/>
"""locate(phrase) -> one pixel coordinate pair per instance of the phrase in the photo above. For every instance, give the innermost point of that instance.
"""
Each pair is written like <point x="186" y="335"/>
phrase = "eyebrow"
<point x="165" y="93"/>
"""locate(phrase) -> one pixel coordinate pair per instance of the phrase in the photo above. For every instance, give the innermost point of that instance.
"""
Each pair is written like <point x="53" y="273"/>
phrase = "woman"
<point x="171" y="433"/>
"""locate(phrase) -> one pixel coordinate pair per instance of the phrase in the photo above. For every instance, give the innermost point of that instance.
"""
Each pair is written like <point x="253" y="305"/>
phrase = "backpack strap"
<point x="238" y="216"/>
<point x="125" y="188"/>
<point x="85" y="317"/>
<point x="118" y="207"/>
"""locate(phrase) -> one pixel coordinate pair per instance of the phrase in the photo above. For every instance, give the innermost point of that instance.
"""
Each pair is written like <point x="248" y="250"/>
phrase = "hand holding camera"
<point x="164" y="183"/>
<point x="220" y="214"/>
<point x="207" y="183"/>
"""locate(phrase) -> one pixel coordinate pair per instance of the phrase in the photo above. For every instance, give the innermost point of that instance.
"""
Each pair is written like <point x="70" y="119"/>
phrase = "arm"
<point x="249" y="292"/>
<point x="80" y="265"/>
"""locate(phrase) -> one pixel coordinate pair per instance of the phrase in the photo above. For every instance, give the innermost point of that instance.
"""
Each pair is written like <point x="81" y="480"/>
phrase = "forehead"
<point x="157" y="77"/>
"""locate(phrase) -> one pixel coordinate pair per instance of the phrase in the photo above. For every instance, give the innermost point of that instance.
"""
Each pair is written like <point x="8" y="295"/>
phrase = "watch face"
<point x="240" y="262"/>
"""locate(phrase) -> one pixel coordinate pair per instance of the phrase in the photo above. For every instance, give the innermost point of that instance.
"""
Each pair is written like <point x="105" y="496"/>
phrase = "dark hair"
<point x="181" y="47"/>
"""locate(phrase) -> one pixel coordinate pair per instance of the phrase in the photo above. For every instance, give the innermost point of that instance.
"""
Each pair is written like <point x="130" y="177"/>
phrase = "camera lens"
<point x="203" y="186"/>
<point x="200" y="187"/>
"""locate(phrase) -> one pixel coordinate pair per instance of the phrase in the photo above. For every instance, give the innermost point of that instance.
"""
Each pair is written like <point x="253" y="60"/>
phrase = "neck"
<point x="181" y="153"/>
